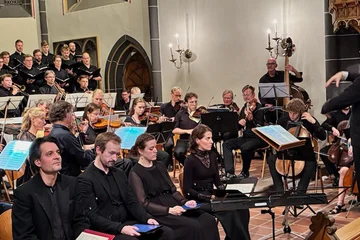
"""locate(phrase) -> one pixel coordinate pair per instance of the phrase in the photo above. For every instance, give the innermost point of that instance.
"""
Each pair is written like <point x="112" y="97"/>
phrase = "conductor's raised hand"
<point x="336" y="78"/>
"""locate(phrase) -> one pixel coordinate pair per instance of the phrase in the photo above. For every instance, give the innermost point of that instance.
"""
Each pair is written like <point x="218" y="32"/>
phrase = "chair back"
<point x="6" y="225"/>
<point x="181" y="181"/>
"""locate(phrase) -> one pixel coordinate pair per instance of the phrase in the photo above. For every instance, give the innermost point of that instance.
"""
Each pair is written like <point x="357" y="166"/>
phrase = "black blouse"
<point x="154" y="189"/>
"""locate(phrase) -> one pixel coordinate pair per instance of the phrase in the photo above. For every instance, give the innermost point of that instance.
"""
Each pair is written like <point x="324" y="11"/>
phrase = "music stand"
<point x="109" y="99"/>
<point x="34" y="99"/>
<point x="221" y="123"/>
<point x="78" y="99"/>
<point x="161" y="131"/>
<point x="9" y="103"/>
<point x="274" y="90"/>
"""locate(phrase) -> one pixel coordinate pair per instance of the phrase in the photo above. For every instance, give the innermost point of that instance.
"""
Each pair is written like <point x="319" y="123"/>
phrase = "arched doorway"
<point x="127" y="66"/>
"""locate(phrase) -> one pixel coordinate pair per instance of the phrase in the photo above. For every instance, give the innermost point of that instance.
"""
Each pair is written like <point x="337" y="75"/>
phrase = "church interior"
<point x="207" y="47"/>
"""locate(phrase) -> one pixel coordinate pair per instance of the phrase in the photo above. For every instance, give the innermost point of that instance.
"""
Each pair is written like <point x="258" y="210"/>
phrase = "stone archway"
<point x="128" y="65"/>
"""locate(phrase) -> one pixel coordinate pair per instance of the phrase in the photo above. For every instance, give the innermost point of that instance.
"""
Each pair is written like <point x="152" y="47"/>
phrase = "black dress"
<point x="200" y="174"/>
<point x="156" y="192"/>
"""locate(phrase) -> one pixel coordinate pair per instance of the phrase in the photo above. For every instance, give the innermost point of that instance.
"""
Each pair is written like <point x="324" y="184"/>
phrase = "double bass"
<point x="295" y="91"/>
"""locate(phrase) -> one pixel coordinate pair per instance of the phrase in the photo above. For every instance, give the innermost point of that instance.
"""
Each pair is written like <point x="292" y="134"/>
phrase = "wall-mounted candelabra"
<point x="181" y="52"/>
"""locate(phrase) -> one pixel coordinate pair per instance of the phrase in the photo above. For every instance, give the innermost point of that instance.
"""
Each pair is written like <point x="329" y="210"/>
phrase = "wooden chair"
<point x="264" y="150"/>
<point x="318" y="174"/>
<point x="181" y="182"/>
<point x="176" y="138"/>
<point x="6" y="225"/>
<point x="350" y="231"/>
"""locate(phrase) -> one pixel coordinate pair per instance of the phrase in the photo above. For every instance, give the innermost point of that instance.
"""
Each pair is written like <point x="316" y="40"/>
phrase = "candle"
<point x="275" y="23"/>
<point x="177" y="40"/>
<point x="268" y="33"/>
<point x="171" y="53"/>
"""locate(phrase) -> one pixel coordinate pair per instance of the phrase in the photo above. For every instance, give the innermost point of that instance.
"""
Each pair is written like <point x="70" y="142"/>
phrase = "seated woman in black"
<point x="136" y="112"/>
<point x="201" y="174"/>
<point x="156" y="192"/>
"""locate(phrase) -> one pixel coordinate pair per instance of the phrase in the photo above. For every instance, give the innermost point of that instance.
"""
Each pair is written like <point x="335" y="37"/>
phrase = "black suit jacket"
<point x="31" y="214"/>
<point x="95" y="197"/>
<point x="350" y="97"/>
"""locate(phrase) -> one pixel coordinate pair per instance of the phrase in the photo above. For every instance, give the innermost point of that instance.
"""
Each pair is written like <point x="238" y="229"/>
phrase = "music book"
<point x="277" y="137"/>
<point x="88" y="234"/>
<point x="198" y="205"/>
<point x="62" y="80"/>
<point x="70" y="66"/>
<point x="147" y="228"/>
<point x="14" y="155"/>
<point x="128" y="135"/>
<point x="86" y="72"/>
<point x="28" y="75"/>
<point x="43" y="67"/>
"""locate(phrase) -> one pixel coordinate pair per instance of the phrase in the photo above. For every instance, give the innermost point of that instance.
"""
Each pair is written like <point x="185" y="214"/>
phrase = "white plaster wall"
<point x="25" y="29"/>
<point x="108" y="23"/>
<point x="229" y="38"/>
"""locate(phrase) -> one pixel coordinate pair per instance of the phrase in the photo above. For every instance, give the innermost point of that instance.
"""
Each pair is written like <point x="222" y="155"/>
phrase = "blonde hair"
<point x="176" y="88"/>
<point x="97" y="91"/>
<point x="29" y="114"/>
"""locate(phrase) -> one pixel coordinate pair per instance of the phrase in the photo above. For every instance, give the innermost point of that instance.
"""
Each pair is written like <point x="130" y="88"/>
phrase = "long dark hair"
<point x="197" y="133"/>
<point x="136" y="102"/>
<point x="140" y="143"/>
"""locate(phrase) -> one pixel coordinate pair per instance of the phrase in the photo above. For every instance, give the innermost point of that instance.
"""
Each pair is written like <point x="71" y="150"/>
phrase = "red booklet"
<point x="88" y="234"/>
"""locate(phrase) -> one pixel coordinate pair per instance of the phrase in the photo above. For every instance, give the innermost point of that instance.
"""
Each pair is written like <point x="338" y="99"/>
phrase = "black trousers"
<point x="169" y="145"/>
<point x="330" y="167"/>
<point x="306" y="175"/>
<point x="181" y="150"/>
<point x="247" y="145"/>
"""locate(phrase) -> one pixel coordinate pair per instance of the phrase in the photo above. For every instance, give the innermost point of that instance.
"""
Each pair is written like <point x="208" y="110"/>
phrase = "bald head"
<point x="86" y="58"/>
<point x="271" y="66"/>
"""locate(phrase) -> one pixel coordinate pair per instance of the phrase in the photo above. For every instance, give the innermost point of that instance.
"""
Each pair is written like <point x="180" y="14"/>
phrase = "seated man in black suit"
<point x="108" y="200"/>
<point x="43" y="207"/>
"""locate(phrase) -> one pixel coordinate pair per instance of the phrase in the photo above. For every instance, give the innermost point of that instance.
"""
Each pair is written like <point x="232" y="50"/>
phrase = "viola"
<point x="338" y="152"/>
<point x="104" y="123"/>
<point x="283" y="167"/>
<point x="251" y="106"/>
<point x="106" y="110"/>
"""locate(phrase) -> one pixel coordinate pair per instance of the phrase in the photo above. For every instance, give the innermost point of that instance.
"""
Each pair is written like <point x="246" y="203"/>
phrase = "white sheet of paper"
<point x="89" y="236"/>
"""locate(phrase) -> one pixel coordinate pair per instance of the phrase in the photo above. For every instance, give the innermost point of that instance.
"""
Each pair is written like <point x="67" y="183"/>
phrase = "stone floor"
<point x="261" y="224"/>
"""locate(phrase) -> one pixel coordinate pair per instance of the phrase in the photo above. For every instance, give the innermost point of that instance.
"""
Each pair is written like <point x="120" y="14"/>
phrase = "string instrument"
<point x="338" y="152"/>
<point x="195" y="115"/>
<point x="179" y="105"/>
<point x="350" y="180"/>
<point x="104" y="123"/>
<point x="106" y="110"/>
<point x="233" y="107"/>
<point x="283" y="167"/>
<point x="251" y="106"/>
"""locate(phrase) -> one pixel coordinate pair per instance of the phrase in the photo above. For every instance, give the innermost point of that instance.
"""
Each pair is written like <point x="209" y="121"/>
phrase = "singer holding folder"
<point x="158" y="195"/>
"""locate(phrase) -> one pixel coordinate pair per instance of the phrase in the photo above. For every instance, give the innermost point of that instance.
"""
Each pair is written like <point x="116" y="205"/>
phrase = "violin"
<point x="338" y="152"/>
<point x="179" y="105"/>
<point x="195" y="115"/>
<point x="106" y="110"/>
<point x="233" y="107"/>
<point x="104" y="123"/>
<point x="251" y="106"/>
<point x="283" y="167"/>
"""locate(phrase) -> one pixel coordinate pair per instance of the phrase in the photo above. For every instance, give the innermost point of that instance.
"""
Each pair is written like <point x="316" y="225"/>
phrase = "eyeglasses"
<point x="269" y="64"/>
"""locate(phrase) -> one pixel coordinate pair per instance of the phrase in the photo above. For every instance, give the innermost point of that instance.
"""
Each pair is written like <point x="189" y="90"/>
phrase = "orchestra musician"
<point x="33" y="121"/>
<point x="98" y="98"/>
<point x="297" y="114"/>
<point x="125" y="100"/>
<point x="73" y="155"/>
<point x="201" y="174"/>
<point x="349" y="97"/>
<point x="275" y="76"/>
<point x="47" y="57"/>
<point x="184" y="126"/>
<point x="50" y="86"/>
<point x="158" y="195"/>
<point x="107" y="198"/>
<point x="88" y="69"/>
<point x="330" y="124"/>
<point x="18" y="56"/>
<point x="83" y="81"/>
<point x="250" y="117"/>
<point x="91" y="114"/>
<point x="7" y="88"/>
<point x="135" y="119"/>
<point x="44" y="206"/>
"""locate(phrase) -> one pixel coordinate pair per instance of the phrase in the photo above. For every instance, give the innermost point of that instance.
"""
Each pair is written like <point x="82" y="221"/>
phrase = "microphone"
<point x="51" y="190"/>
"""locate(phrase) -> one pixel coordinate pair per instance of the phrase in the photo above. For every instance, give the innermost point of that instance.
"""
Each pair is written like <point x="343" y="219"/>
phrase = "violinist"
<point x="92" y="114"/>
<point x="184" y="126"/>
<point x="330" y="124"/>
<point x="275" y="76"/>
<point x="98" y="98"/>
<point x="228" y="101"/>
<point x="249" y="117"/>
<point x="297" y="114"/>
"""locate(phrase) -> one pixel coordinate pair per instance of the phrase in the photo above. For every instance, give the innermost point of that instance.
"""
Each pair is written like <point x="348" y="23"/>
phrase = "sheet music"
<point x="278" y="134"/>
<point x="14" y="155"/>
<point x="89" y="236"/>
<point x="128" y="135"/>
<point x="246" y="188"/>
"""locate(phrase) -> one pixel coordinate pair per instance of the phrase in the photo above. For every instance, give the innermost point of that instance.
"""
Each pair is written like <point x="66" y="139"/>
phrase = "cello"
<point x="338" y="152"/>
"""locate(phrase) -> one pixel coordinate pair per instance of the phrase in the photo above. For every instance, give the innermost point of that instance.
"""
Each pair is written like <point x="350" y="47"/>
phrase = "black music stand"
<point x="276" y="91"/>
<point x="161" y="131"/>
<point x="221" y="123"/>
